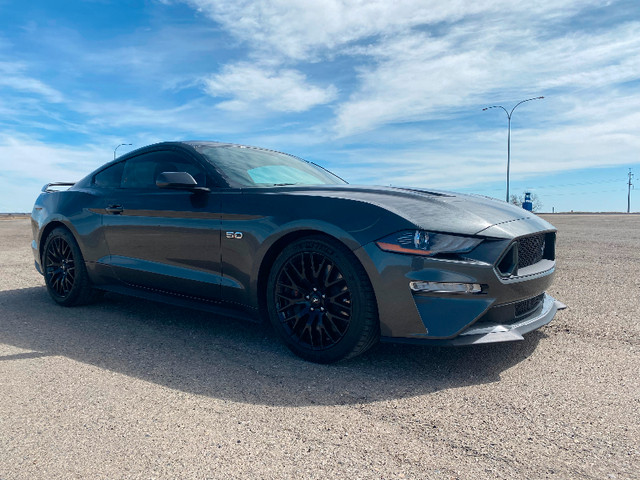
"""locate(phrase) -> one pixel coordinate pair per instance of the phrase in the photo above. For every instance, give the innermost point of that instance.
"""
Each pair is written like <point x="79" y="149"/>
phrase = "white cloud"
<point x="12" y="75"/>
<point x="28" y="163"/>
<point x="414" y="76"/>
<point x="47" y="162"/>
<point x="417" y="76"/>
<point x="422" y="58"/>
<point x="590" y="60"/>
<point x="299" y="28"/>
<point x="252" y="86"/>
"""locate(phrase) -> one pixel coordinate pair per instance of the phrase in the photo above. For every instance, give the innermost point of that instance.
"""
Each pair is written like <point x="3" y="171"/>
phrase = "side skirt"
<point x="177" y="299"/>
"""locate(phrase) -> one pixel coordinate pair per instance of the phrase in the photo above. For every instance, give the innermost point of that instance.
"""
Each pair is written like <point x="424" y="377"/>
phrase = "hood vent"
<point x="426" y="193"/>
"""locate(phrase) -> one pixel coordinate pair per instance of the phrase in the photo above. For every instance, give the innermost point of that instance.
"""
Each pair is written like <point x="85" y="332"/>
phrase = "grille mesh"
<point x="530" y="250"/>
<point x="526" y="306"/>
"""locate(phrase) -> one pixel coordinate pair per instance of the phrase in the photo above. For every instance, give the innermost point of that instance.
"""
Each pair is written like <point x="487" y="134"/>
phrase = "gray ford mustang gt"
<point x="253" y="233"/>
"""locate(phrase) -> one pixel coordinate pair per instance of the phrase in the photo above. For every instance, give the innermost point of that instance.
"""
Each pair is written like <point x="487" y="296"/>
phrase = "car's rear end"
<point x="42" y="213"/>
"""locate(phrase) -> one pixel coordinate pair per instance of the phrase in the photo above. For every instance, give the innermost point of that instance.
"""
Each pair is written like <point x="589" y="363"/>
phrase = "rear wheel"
<point x="65" y="273"/>
<point x="321" y="302"/>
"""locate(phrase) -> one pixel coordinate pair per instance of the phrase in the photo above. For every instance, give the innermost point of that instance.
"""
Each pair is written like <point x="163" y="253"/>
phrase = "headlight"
<point x="419" y="242"/>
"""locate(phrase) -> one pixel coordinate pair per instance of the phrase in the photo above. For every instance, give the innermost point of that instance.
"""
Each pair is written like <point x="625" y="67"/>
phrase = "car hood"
<point x="438" y="210"/>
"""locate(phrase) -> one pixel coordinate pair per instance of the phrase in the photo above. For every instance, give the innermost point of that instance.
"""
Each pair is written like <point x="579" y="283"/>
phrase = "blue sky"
<point x="381" y="92"/>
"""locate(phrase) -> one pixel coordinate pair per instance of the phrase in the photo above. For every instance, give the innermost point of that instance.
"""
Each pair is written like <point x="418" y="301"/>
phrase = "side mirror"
<point x="177" y="180"/>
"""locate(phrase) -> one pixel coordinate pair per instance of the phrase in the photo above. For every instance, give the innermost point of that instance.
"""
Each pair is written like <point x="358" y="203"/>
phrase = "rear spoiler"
<point x="57" y="186"/>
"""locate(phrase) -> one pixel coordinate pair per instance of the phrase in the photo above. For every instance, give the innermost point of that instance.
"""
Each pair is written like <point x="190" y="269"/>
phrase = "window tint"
<point x="109" y="177"/>
<point x="252" y="167"/>
<point x="143" y="170"/>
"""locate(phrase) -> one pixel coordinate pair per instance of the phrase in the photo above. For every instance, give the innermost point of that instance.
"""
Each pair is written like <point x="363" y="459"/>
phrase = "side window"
<point x="109" y="177"/>
<point x="143" y="170"/>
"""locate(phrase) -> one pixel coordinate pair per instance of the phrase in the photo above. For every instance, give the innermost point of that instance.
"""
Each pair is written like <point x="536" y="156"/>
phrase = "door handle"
<point x="114" y="209"/>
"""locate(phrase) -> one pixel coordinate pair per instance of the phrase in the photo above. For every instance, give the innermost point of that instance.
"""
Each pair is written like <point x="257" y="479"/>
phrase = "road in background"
<point x="127" y="388"/>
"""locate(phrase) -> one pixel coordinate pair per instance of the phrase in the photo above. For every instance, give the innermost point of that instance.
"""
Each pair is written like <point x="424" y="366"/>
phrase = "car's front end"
<point x="463" y="288"/>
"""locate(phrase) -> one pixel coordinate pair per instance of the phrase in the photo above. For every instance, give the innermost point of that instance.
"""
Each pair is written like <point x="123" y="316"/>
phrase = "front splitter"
<point x="492" y="332"/>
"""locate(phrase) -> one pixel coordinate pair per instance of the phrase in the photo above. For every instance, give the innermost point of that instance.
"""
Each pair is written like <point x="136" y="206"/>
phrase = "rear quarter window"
<point x="109" y="177"/>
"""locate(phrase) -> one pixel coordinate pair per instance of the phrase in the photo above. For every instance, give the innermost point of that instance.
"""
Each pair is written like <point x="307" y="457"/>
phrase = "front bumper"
<point x="441" y="316"/>
<point x="493" y="332"/>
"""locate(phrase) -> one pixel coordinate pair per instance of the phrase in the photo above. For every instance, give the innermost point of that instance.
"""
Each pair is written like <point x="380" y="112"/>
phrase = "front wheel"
<point x="321" y="302"/>
<point x="64" y="271"/>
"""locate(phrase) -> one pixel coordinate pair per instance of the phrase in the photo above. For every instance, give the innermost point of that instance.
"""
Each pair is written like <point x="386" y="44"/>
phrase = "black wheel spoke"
<point x="290" y="302"/>
<point x="305" y="335"/>
<point x="338" y="297"/>
<point x="328" y="333"/>
<point x="59" y="249"/>
<point x="318" y="271"/>
<point x="335" y="320"/>
<point x="295" y="283"/>
<point x="327" y="273"/>
<point x="334" y="282"/>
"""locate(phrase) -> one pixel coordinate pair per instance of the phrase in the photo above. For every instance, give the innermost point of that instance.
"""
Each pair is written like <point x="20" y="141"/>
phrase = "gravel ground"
<point x="127" y="388"/>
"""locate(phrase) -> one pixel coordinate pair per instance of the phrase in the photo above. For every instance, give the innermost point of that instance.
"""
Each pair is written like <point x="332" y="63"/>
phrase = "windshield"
<point x="252" y="167"/>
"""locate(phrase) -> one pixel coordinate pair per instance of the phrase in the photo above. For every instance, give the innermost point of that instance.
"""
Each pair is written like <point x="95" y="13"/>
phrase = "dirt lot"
<point x="131" y="389"/>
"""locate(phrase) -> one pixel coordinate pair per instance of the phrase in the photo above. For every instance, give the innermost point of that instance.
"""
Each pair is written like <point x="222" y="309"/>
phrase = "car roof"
<point x="206" y="143"/>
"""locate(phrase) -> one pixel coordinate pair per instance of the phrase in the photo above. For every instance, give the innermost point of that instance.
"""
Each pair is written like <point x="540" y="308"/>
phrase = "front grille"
<point x="527" y="251"/>
<point x="526" y="306"/>
<point x="530" y="250"/>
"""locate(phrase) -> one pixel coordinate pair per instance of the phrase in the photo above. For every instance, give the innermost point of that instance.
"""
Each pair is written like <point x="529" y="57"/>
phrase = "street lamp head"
<point x="116" y="149"/>
<point x="508" y="114"/>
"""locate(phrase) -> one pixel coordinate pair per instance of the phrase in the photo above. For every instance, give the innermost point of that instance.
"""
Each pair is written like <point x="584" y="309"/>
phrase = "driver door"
<point x="160" y="238"/>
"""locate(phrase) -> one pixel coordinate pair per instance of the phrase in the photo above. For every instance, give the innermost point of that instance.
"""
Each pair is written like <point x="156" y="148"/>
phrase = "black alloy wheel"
<point x="60" y="266"/>
<point x="64" y="271"/>
<point x="321" y="301"/>
<point x="313" y="300"/>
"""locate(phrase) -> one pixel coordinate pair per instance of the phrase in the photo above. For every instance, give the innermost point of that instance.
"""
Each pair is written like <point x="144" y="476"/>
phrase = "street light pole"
<point x="629" y="193"/>
<point x="114" y="150"/>
<point x="509" y="132"/>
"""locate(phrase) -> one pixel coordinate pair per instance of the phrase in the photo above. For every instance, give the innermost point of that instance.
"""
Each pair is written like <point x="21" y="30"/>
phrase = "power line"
<point x="583" y="193"/>
<point x="541" y="187"/>
<point x="577" y="184"/>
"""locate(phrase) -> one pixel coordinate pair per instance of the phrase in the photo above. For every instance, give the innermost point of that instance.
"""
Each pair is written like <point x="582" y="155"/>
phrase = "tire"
<point x="321" y="302"/>
<point x="65" y="273"/>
